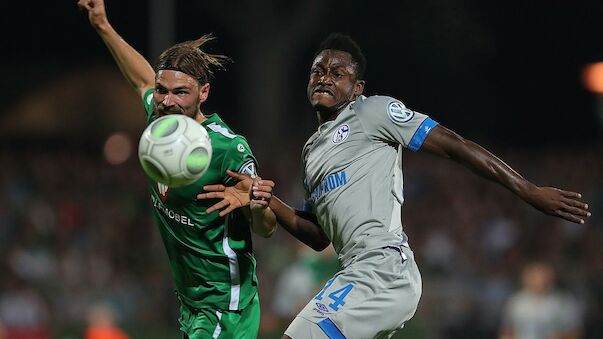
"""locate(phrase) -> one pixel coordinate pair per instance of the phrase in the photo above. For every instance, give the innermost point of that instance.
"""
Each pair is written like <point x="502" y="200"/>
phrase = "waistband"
<point x="347" y="259"/>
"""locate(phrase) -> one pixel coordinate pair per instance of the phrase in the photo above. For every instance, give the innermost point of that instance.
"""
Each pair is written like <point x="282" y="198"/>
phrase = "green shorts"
<point x="213" y="323"/>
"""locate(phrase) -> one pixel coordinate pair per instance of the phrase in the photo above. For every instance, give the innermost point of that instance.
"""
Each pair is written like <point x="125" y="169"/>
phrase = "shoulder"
<point x="223" y="137"/>
<point x="240" y="157"/>
<point x="309" y="143"/>
<point x="239" y="144"/>
<point x="377" y="106"/>
<point x="233" y="149"/>
<point x="373" y="102"/>
<point x="311" y="139"/>
<point x="232" y="143"/>
<point x="220" y="133"/>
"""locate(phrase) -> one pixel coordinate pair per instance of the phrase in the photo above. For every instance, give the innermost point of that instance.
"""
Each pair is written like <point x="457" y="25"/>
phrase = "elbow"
<point x="265" y="232"/>
<point x="263" y="222"/>
<point x="320" y="241"/>
<point x="269" y="233"/>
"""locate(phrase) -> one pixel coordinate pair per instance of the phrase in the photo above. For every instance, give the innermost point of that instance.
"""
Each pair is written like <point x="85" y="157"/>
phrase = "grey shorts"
<point x="371" y="298"/>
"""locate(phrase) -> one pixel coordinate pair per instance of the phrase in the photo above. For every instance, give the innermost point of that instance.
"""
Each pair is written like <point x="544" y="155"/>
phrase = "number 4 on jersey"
<point x="336" y="296"/>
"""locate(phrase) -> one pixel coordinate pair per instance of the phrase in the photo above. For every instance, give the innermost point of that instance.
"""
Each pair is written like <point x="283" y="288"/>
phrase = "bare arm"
<point x="133" y="66"/>
<point x="549" y="200"/>
<point x="301" y="225"/>
<point x="263" y="220"/>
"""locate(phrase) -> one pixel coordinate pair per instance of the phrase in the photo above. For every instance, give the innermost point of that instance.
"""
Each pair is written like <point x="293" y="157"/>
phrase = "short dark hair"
<point x="187" y="57"/>
<point x="345" y="43"/>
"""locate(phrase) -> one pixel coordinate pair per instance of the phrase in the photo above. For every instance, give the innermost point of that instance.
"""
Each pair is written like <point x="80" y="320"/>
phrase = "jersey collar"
<point x="212" y="118"/>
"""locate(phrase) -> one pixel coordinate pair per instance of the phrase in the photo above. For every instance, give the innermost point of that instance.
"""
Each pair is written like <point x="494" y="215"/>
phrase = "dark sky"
<point x="505" y="71"/>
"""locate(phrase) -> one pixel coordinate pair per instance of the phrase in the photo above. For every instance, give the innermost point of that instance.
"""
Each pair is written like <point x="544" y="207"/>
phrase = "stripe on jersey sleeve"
<point x="421" y="134"/>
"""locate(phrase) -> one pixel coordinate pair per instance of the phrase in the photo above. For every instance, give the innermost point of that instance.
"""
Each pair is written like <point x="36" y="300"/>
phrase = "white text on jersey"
<point x="183" y="219"/>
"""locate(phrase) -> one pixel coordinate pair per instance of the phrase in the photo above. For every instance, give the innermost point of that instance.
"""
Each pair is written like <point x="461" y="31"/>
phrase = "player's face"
<point x="178" y="93"/>
<point x="333" y="81"/>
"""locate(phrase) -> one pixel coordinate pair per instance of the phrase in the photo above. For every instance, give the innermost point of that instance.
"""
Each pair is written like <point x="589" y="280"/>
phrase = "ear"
<point x="203" y="92"/>
<point x="358" y="87"/>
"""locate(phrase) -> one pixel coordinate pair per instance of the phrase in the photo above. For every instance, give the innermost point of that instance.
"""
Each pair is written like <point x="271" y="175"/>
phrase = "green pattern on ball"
<point x="153" y="172"/>
<point x="197" y="161"/>
<point x="164" y="127"/>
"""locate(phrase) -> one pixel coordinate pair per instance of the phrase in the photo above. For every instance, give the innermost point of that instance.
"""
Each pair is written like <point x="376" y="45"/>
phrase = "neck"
<point x="199" y="117"/>
<point x="329" y="114"/>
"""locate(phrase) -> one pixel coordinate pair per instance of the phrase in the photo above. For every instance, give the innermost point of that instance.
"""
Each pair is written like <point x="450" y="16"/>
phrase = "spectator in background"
<point x="101" y="324"/>
<point x="302" y="279"/>
<point x="538" y="310"/>
<point x="23" y="312"/>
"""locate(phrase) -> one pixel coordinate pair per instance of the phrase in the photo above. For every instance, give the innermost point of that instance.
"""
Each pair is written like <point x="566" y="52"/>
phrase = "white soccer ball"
<point x="175" y="150"/>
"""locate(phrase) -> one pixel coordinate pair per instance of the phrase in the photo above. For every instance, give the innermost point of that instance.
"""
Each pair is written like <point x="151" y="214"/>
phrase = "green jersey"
<point x="210" y="256"/>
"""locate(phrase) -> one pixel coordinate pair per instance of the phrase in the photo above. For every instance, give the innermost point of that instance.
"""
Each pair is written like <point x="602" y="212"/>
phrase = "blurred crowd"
<point x="79" y="249"/>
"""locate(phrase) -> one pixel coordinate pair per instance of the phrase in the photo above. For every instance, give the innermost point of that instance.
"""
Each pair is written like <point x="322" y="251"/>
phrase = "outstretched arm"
<point x="301" y="225"/>
<point x="133" y="66"/>
<point x="549" y="200"/>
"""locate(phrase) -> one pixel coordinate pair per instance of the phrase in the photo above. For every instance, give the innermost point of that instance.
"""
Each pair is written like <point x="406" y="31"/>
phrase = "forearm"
<point x="487" y="165"/>
<point x="132" y="64"/>
<point x="448" y="144"/>
<point x="263" y="222"/>
<point x="549" y="200"/>
<point x="301" y="227"/>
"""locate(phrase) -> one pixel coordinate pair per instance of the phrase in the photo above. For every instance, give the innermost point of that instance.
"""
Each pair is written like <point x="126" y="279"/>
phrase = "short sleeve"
<point x="388" y="119"/>
<point x="239" y="158"/>
<point x="147" y="102"/>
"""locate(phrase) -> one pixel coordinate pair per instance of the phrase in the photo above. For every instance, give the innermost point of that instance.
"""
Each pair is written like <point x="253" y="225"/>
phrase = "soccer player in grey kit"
<point x="354" y="194"/>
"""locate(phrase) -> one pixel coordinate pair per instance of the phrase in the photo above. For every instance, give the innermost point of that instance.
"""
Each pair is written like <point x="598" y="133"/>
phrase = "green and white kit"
<point x="210" y="256"/>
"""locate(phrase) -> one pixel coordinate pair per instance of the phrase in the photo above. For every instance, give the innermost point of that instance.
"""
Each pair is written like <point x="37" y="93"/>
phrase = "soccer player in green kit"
<point x="210" y="253"/>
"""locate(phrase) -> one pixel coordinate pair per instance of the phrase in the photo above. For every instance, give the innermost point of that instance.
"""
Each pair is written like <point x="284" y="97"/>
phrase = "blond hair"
<point x="188" y="57"/>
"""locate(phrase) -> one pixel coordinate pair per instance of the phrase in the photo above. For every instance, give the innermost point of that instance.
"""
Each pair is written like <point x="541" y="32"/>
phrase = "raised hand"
<point x="96" y="11"/>
<point x="559" y="203"/>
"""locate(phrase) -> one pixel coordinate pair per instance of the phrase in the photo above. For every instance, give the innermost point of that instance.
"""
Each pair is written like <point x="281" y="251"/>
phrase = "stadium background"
<point x="76" y="235"/>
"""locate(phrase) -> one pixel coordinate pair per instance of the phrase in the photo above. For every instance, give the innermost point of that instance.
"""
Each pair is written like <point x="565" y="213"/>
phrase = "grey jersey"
<point x="353" y="173"/>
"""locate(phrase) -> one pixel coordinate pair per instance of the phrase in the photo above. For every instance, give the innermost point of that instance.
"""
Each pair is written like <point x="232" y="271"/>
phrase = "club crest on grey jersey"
<point x="341" y="134"/>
